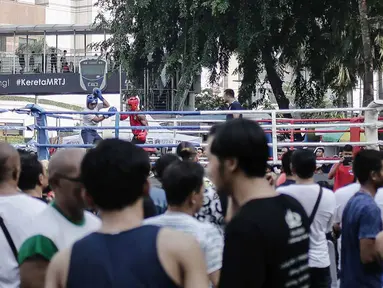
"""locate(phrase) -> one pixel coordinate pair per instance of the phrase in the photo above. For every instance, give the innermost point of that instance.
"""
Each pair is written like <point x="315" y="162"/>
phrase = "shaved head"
<point x="66" y="162"/>
<point x="9" y="163"/>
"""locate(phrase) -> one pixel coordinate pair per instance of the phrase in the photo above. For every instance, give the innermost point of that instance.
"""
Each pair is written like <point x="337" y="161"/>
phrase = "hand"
<point x="97" y="93"/>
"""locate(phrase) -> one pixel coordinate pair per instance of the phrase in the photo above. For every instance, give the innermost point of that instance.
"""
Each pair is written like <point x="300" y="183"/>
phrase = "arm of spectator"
<point x="213" y="254"/>
<point x="57" y="273"/>
<point x="32" y="272"/>
<point x="333" y="170"/>
<point x="34" y="256"/>
<point x="369" y="227"/>
<point x="182" y="258"/>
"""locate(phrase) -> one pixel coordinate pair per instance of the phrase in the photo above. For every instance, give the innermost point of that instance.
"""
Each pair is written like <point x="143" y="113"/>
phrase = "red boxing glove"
<point x="123" y="117"/>
<point x="142" y="136"/>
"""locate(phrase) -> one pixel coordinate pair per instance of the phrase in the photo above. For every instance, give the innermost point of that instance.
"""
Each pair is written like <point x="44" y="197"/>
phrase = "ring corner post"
<point x="372" y="117"/>
<point x="42" y="133"/>
<point x="117" y="126"/>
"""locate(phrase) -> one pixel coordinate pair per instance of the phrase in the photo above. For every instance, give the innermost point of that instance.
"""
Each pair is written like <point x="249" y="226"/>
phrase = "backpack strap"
<point x="312" y="216"/>
<point x="8" y="236"/>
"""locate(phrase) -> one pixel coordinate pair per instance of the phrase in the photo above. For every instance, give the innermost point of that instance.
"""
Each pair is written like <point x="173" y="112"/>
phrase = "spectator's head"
<point x="229" y="95"/>
<point x="347" y="151"/>
<point x="286" y="163"/>
<point x="319" y="152"/>
<point x="303" y="163"/>
<point x="368" y="168"/>
<point x="32" y="176"/>
<point x="187" y="151"/>
<point x="184" y="186"/>
<point x="115" y="174"/>
<point x="9" y="165"/>
<point x="162" y="163"/>
<point x="237" y="150"/>
<point x="64" y="178"/>
<point x="65" y="52"/>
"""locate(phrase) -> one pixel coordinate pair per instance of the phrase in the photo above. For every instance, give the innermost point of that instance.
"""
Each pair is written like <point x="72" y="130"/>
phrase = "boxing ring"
<point x="274" y="126"/>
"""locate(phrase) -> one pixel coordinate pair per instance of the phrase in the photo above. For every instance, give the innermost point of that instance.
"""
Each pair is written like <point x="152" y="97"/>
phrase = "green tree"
<point x="208" y="100"/>
<point x="322" y="38"/>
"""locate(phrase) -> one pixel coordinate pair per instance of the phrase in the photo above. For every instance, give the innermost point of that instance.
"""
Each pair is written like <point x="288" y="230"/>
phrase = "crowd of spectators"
<point x="92" y="219"/>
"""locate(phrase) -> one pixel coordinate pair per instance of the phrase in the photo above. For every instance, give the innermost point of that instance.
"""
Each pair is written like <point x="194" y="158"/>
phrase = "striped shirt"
<point x="207" y="235"/>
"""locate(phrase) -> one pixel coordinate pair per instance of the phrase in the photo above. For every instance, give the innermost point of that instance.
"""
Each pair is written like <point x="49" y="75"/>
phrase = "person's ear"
<point x="41" y="179"/>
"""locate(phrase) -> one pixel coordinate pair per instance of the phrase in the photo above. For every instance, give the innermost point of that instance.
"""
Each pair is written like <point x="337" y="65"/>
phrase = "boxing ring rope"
<point x="271" y="126"/>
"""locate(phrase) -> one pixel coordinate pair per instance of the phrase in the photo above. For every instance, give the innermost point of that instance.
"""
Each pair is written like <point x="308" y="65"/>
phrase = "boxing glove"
<point x="97" y="93"/>
<point x="142" y="136"/>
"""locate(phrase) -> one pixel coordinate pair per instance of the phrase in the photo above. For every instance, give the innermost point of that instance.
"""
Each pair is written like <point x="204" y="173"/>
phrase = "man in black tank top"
<point x="267" y="240"/>
<point x="124" y="253"/>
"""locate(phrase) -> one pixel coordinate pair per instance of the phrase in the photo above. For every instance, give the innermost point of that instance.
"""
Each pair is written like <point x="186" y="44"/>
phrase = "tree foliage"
<point x="322" y="38"/>
<point x="208" y="100"/>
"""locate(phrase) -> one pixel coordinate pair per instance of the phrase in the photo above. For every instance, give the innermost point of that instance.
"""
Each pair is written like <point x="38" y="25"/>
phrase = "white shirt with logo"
<point x="17" y="212"/>
<point x="323" y="221"/>
<point x="87" y="118"/>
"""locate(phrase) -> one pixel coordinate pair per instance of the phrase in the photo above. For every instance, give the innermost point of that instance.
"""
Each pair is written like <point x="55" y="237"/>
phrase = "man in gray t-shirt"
<point x="90" y="135"/>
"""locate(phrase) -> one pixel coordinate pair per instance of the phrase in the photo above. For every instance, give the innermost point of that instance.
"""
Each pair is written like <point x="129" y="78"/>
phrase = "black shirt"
<point x="234" y="106"/>
<point x="266" y="245"/>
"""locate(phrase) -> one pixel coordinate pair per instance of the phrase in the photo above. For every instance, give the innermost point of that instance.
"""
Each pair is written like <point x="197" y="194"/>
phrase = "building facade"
<point x="19" y="12"/>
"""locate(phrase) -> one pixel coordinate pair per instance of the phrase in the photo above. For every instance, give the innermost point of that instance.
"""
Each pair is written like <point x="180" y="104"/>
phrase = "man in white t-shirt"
<point x="90" y="135"/>
<point x="184" y="186"/>
<point x="60" y="224"/>
<point x="311" y="195"/>
<point x="342" y="196"/>
<point x="16" y="211"/>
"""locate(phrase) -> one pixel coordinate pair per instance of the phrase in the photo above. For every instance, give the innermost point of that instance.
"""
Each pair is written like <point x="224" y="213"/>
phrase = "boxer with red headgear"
<point x="139" y="136"/>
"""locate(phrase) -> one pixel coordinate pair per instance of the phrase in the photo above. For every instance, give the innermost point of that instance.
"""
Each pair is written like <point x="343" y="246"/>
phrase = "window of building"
<point x="23" y="40"/>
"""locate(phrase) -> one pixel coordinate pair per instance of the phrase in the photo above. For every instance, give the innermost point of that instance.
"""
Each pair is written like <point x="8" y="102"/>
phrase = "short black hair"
<point x="366" y="162"/>
<point x="186" y="151"/>
<point x="180" y="180"/>
<point x="304" y="163"/>
<point x="115" y="173"/>
<point x="162" y="163"/>
<point x="244" y="140"/>
<point x="347" y="148"/>
<point x="286" y="162"/>
<point x="214" y="129"/>
<point x="229" y="92"/>
<point x="31" y="169"/>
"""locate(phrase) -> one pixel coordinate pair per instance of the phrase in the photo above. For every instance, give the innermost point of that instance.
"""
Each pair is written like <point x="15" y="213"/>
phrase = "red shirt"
<point x="343" y="176"/>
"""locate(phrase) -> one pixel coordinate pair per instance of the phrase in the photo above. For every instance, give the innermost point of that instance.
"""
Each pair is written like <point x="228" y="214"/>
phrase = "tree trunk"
<point x="183" y="90"/>
<point x="368" y="83"/>
<point x="275" y="81"/>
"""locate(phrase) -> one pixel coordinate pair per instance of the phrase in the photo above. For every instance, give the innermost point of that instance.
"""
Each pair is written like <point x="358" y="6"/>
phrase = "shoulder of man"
<point x="92" y="220"/>
<point x="37" y="245"/>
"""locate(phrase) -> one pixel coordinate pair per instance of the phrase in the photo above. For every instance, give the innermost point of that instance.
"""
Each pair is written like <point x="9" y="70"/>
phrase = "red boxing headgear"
<point x="134" y="102"/>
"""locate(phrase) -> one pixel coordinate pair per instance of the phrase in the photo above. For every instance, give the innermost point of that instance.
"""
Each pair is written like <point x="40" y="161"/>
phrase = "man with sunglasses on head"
<point x="60" y="224"/>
